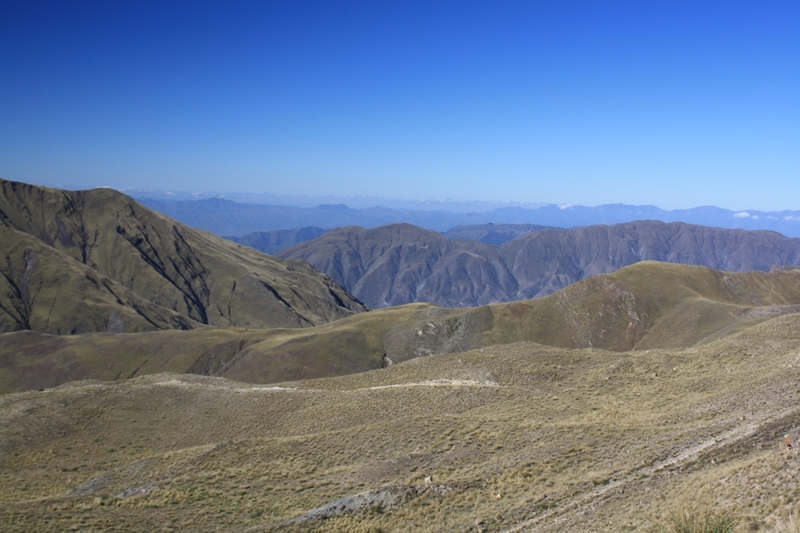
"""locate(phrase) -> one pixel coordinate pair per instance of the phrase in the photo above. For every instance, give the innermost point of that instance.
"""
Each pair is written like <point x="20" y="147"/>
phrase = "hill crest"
<point x="205" y="278"/>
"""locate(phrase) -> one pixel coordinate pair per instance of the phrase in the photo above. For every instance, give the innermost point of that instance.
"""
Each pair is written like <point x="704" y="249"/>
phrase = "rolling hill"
<point x="61" y="245"/>
<point x="648" y="305"/>
<point x="400" y="263"/>
<point x="515" y="438"/>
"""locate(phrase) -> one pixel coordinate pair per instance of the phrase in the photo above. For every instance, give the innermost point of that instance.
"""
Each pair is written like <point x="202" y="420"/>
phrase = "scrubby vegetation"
<point x="511" y="438"/>
<point x="699" y="521"/>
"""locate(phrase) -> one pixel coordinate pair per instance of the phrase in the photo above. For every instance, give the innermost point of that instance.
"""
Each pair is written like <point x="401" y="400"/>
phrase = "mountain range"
<point x="272" y="242"/>
<point x="85" y="261"/>
<point x="225" y="217"/>
<point x="157" y="377"/>
<point x="649" y="305"/>
<point x="400" y="263"/>
<point x="275" y="241"/>
<point x="481" y="430"/>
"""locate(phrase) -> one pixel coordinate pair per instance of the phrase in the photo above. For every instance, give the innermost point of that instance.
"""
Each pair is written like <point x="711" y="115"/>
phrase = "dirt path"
<point x="684" y="457"/>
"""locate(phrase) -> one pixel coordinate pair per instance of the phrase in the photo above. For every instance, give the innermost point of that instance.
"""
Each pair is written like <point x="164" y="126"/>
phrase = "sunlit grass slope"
<point x="514" y="437"/>
<point x="647" y="305"/>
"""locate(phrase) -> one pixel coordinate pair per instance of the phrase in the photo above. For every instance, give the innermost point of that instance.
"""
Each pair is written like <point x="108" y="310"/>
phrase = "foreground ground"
<point x="518" y="437"/>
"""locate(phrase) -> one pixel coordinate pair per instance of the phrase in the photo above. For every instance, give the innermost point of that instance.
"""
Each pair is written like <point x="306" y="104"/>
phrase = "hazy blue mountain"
<point x="225" y="217"/>
<point x="272" y="242"/>
<point x="401" y="263"/>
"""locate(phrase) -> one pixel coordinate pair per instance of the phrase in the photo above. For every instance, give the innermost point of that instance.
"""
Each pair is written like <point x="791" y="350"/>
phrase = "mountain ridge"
<point x="205" y="278"/>
<point x="226" y="217"/>
<point x="645" y="306"/>
<point x="401" y="263"/>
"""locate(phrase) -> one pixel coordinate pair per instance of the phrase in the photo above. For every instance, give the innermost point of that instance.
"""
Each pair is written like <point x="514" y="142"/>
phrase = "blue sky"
<point x="670" y="103"/>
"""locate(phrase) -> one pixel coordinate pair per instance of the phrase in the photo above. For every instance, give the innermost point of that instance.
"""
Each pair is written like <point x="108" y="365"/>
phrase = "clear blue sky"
<point x="671" y="103"/>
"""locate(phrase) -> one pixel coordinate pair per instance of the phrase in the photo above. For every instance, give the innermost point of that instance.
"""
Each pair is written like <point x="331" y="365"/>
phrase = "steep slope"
<point x="272" y="242"/>
<point x="495" y="234"/>
<point x="203" y="277"/>
<point x="548" y="260"/>
<point x="398" y="264"/>
<point x="645" y="306"/>
<point x="401" y="263"/>
<point x="513" y="438"/>
<point x="42" y="289"/>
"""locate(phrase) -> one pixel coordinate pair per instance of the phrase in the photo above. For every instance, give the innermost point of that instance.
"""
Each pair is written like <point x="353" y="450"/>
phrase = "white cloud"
<point x="743" y="214"/>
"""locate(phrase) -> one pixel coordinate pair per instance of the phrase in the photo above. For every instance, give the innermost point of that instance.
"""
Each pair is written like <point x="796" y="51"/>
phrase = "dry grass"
<point x="787" y="522"/>
<point x="699" y="521"/>
<point x="645" y="306"/>
<point x="519" y="437"/>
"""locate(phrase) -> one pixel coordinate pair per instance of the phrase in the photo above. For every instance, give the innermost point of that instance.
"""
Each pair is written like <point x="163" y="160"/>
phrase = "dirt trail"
<point x="684" y="457"/>
<point x="438" y="383"/>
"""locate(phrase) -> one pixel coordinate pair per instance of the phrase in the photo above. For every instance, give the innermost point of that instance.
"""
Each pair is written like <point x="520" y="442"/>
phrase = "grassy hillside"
<point x="648" y="305"/>
<point x="511" y="438"/>
<point x="205" y="278"/>
<point x="42" y="289"/>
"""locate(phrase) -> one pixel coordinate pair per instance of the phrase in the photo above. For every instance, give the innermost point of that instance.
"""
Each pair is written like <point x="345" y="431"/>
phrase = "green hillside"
<point x="644" y="306"/>
<point x="205" y="278"/>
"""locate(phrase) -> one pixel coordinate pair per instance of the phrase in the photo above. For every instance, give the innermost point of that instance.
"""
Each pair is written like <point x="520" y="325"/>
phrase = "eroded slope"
<point x="203" y="277"/>
<point x="400" y="263"/>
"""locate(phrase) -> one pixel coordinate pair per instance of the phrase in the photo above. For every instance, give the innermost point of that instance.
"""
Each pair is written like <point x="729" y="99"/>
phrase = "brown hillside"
<point x="644" y="306"/>
<point x="507" y="439"/>
<point x="400" y="263"/>
<point x="203" y="277"/>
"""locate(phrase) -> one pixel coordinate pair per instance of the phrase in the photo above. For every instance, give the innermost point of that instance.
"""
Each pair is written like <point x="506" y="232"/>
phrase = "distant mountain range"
<point x="224" y="217"/>
<point x="400" y="263"/>
<point x="88" y="261"/>
<point x="272" y="242"/>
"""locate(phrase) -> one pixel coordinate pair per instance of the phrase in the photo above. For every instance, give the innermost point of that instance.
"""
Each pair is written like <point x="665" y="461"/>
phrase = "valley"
<point x="133" y="398"/>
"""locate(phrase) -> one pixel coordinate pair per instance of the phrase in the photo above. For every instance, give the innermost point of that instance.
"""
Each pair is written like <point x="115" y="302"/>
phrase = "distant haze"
<point x="669" y="103"/>
<point x="229" y="218"/>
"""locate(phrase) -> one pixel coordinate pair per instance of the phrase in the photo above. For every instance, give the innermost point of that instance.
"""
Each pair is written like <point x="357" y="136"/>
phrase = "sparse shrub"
<point x="702" y="521"/>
